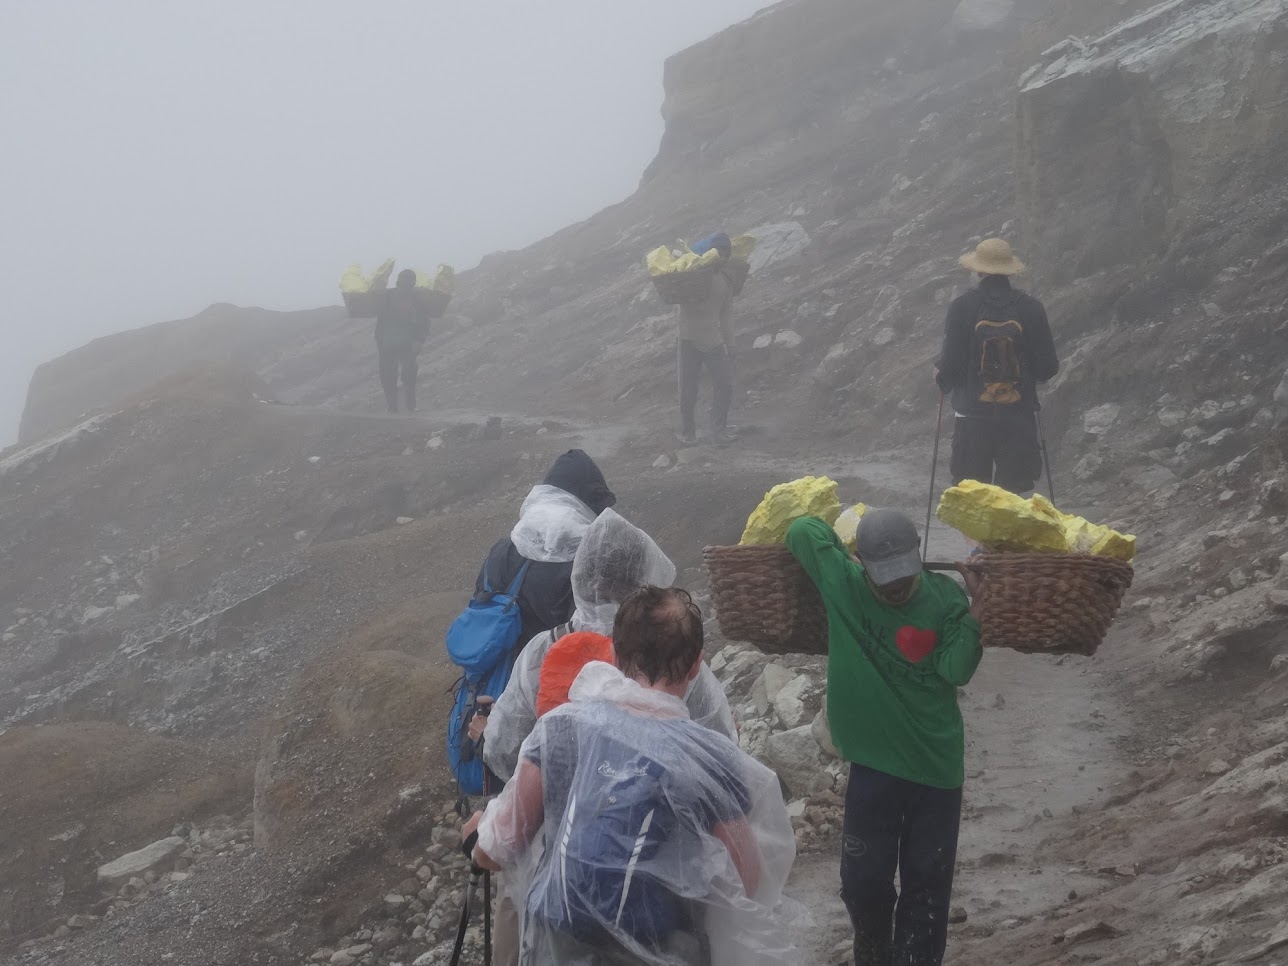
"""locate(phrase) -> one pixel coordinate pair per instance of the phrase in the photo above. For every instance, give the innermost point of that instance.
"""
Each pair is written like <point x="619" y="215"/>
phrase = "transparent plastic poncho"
<point x="631" y="830"/>
<point x="515" y="713"/>
<point x="615" y="559"/>
<point x="552" y="523"/>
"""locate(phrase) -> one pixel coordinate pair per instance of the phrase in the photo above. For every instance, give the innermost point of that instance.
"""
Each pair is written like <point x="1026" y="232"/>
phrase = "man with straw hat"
<point x="997" y="349"/>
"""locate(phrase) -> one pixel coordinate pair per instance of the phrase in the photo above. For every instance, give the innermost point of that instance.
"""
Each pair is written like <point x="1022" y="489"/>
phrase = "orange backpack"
<point x="564" y="661"/>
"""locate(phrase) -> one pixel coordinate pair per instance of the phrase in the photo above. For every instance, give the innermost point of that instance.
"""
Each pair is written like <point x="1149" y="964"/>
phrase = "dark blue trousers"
<point x="892" y="824"/>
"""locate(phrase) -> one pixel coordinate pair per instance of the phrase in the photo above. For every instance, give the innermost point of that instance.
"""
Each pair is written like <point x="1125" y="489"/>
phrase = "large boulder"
<point x="797" y="759"/>
<point x="157" y="857"/>
<point x="1126" y="141"/>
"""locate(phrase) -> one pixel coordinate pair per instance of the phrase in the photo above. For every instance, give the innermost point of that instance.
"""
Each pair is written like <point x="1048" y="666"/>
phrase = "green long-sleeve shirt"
<point x="892" y="672"/>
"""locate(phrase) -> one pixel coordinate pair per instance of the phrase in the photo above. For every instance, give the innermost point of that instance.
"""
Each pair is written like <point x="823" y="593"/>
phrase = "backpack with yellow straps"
<point x="998" y="374"/>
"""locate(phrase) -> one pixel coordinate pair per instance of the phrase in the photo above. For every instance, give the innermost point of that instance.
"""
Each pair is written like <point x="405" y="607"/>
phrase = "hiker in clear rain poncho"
<point x="554" y="517"/>
<point x="641" y="836"/>
<point x="614" y="559"/>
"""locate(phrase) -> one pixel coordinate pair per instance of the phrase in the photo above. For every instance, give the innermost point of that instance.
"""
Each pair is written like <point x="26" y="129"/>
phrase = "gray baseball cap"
<point x="888" y="546"/>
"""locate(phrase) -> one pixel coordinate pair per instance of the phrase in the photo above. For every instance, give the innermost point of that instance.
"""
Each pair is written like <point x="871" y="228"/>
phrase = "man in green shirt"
<point x="901" y="641"/>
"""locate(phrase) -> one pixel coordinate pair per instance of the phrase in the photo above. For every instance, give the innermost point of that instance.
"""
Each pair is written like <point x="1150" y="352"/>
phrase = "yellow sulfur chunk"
<point x="353" y="282"/>
<point x="1084" y="537"/>
<point x="443" y="280"/>
<point x="380" y="280"/>
<point x="743" y="246"/>
<point x="810" y="496"/>
<point x="660" y="261"/>
<point x="1001" y="520"/>
<point x="847" y="525"/>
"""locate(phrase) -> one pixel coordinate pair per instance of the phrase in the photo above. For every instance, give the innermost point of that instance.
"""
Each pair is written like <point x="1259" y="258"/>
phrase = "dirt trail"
<point x="1042" y="732"/>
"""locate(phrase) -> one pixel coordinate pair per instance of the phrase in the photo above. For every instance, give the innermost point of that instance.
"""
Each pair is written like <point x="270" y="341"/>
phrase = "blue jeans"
<point x="894" y="824"/>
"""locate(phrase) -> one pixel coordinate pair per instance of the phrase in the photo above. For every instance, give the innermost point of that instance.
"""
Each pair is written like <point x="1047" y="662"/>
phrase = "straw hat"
<point x="992" y="256"/>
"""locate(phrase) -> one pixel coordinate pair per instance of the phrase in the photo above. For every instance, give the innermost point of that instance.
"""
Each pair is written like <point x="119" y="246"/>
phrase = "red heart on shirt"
<point x="914" y="643"/>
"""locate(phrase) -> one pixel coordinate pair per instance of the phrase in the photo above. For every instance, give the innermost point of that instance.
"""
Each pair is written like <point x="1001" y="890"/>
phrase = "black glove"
<point x="942" y="381"/>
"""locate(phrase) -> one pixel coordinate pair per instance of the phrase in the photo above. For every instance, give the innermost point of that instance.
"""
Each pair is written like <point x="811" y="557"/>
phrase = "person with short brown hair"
<point x="658" y="634"/>
<point x="614" y="559"/>
<point x="647" y="837"/>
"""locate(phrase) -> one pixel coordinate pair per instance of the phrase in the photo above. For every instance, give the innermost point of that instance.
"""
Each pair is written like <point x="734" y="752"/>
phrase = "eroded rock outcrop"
<point x="1129" y="142"/>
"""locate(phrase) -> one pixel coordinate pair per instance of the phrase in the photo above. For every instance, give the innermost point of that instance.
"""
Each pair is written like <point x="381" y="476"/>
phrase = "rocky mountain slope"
<point x="222" y="623"/>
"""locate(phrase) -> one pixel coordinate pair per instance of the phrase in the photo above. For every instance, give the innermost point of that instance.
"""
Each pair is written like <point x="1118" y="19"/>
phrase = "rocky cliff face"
<point x="1135" y="143"/>
<point x="269" y="583"/>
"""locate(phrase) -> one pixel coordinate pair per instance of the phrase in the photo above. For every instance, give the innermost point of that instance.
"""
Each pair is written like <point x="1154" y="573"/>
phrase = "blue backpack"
<point x="482" y="642"/>
<point x="594" y="888"/>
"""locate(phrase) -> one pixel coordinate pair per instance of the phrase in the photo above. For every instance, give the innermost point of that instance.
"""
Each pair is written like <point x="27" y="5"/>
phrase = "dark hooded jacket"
<point x="545" y="600"/>
<point x="402" y="320"/>
<point x="994" y="296"/>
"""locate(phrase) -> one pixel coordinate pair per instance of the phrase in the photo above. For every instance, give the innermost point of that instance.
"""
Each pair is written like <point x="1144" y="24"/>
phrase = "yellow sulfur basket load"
<point x="684" y="277"/>
<point x="1000" y="520"/>
<point x="847" y="525"/>
<point x="435" y="291"/>
<point x="1052" y="583"/>
<point x="810" y="496"/>
<point x="362" y="293"/>
<point x="443" y="280"/>
<point x="761" y="594"/>
<point x="661" y="261"/>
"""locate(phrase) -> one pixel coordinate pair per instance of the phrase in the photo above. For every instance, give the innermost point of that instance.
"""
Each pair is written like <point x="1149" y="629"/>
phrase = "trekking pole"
<point x="463" y="924"/>
<point x="1046" y="460"/>
<point x="934" y="465"/>
<point x="477" y="874"/>
<point x="487" y="919"/>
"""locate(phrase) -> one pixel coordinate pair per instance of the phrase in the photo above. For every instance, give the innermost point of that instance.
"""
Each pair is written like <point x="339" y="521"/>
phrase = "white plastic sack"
<point x="615" y="559"/>
<point x="551" y="525"/>
<point x="621" y="828"/>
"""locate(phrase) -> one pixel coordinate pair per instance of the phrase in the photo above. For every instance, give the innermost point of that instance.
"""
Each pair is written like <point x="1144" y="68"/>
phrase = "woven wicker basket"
<point x="362" y="305"/>
<point x="685" y="288"/>
<point x="763" y="596"/>
<point x="435" y="302"/>
<point x="1035" y="603"/>
<point x="736" y="271"/>
<point x="1047" y="603"/>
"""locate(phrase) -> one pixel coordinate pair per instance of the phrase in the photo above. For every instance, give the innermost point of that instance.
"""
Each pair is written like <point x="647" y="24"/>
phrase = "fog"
<point x="162" y="156"/>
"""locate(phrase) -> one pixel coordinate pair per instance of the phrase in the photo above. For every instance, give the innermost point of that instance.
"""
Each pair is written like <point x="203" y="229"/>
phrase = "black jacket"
<point x="545" y="600"/>
<point x="402" y="319"/>
<point x="995" y="297"/>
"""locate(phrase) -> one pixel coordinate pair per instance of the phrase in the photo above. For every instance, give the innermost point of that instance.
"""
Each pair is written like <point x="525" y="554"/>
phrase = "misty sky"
<point x="160" y="156"/>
